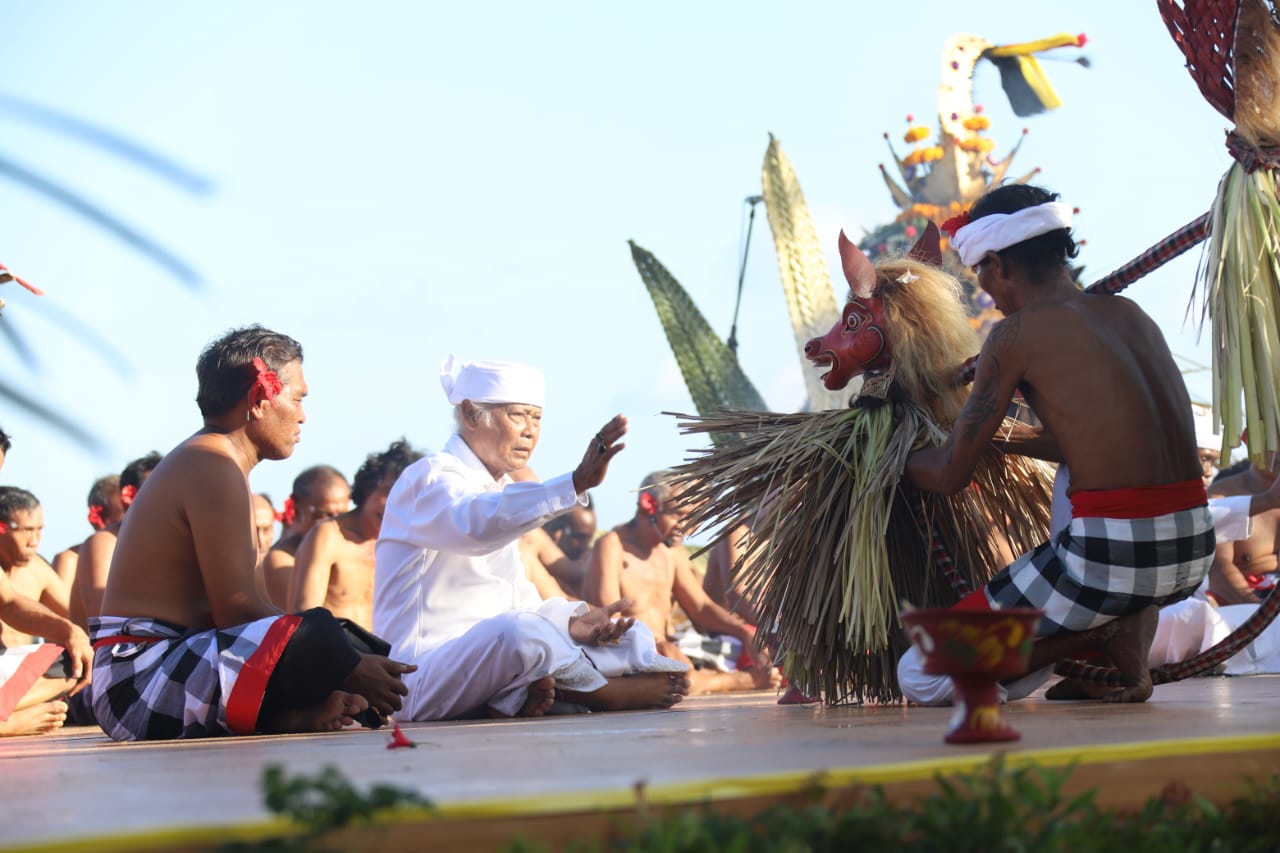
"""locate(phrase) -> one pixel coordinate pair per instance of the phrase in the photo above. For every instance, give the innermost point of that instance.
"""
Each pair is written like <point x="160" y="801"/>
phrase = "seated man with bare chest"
<point x="1246" y="570"/>
<point x="188" y="644"/>
<point x="644" y="562"/>
<point x="335" y="561"/>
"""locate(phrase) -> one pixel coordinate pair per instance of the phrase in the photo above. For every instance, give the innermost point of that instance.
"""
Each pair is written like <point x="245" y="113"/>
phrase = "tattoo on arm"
<point x="983" y="401"/>
<point x="1001" y="339"/>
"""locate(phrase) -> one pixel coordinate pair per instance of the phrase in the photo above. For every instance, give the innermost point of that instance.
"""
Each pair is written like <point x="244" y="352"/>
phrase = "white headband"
<point x="492" y="382"/>
<point x="1207" y="435"/>
<point x="998" y="231"/>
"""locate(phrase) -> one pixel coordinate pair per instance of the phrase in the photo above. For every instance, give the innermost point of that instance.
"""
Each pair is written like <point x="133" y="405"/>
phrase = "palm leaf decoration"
<point x="65" y="425"/>
<point x="76" y="202"/>
<point x="107" y="140"/>
<point x="711" y="371"/>
<point x="806" y="283"/>
<point x="113" y="225"/>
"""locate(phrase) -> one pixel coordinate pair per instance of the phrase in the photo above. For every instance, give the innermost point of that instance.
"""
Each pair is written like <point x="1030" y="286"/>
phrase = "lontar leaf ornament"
<point x="1232" y="49"/>
<point x="806" y="283"/>
<point x="715" y="380"/>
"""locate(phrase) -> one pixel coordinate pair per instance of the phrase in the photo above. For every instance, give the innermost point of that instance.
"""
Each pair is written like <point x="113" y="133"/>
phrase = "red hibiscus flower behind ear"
<point x="127" y="494"/>
<point x="649" y="504"/>
<point x="290" y="511"/>
<point x="95" y="517"/>
<point x="955" y="223"/>
<point x="266" y="386"/>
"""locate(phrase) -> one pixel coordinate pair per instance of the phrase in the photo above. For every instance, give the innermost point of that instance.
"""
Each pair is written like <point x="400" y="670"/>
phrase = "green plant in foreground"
<point x="996" y="809"/>
<point x="320" y="804"/>
<point x="993" y="809"/>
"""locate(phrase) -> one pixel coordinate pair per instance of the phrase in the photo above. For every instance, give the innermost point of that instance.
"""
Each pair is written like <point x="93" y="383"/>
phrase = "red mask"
<point x="855" y="345"/>
<point x="859" y="342"/>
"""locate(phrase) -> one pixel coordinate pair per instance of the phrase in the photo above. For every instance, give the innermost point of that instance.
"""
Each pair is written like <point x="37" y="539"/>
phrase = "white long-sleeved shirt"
<point x="447" y="555"/>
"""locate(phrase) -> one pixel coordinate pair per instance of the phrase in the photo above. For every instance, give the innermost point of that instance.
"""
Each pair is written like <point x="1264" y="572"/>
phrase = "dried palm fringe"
<point x="835" y="546"/>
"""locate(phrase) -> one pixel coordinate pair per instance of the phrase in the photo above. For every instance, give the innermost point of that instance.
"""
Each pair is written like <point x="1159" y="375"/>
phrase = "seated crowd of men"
<point x="457" y="584"/>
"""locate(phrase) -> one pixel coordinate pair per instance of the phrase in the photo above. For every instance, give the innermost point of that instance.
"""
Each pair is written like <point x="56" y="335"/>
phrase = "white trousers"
<point x="497" y="659"/>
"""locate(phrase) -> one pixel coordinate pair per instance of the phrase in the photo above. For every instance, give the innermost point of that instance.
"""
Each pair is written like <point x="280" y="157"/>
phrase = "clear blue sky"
<point x="413" y="179"/>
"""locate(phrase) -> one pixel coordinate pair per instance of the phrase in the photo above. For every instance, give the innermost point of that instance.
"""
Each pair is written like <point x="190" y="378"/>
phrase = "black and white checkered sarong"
<point x="172" y="682"/>
<point x="1098" y="569"/>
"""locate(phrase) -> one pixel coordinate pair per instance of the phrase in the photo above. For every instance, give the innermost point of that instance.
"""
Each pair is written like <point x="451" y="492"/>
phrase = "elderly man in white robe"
<point x="450" y="591"/>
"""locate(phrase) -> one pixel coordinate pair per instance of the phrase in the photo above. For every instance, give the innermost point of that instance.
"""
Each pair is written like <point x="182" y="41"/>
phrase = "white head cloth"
<point x="1001" y="230"/>
<point x="492" y="382"/>
<point x="1207" y="435"/>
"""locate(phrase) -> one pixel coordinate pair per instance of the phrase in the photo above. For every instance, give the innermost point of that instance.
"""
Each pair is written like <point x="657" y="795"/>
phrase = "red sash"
<point x="1139" y="502"/>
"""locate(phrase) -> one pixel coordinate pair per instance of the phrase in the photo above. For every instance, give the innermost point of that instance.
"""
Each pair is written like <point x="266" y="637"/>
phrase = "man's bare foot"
<point x="337" y="711"/>
<point x="542" y="695"/>
<point x="766" y="677"/>
<point x="645" y="690"/>
<point x="36" y="720"/>
<point x="1070" y="688"/>
<point x="1127" y="644"/>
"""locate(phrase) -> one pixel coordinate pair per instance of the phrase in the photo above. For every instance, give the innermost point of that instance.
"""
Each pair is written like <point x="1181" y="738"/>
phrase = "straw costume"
<point x="837" y="541"/>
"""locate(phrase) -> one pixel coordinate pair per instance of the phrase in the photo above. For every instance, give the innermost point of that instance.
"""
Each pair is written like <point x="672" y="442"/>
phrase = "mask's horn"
<point x="928" y="249"/>
<point x="858" y="270"/>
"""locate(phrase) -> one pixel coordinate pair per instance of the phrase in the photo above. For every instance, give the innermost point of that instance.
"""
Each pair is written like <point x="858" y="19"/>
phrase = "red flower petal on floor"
<point x="398" y="739"/>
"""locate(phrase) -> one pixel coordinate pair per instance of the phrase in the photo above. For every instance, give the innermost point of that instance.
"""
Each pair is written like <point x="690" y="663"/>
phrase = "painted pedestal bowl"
<point x="976" y="648"/>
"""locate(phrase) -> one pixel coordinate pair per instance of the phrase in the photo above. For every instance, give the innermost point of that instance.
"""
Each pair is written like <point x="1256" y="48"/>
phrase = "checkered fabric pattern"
<point x="1098" y="569"/>
<point x="1189" y="235"/>
<point x="176" y="687"/>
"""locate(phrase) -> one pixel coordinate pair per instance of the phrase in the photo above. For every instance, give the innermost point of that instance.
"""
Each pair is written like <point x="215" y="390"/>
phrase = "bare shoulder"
<point x="278" y="558"/>
<point x="103" y="542"/>
<point x="43" y="572"/>
<point x="200" y="473"/>
<point x="680" y="556"/>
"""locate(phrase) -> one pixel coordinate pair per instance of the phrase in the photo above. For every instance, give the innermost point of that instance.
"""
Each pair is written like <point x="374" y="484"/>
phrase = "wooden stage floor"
<point x="59" y="792"/>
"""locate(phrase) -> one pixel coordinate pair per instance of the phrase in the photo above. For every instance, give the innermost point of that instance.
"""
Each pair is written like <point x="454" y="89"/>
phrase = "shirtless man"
<point x="188" y="645"/>
<point x="95" y="553"/>
<point x="1244" y="571"/>
<point x="450" y="590"/>
<point x="556" y="553"/>
<point x="104" y="509"/>
<point x="574" y="531"/>
<point x="319" y="492"/>
<point x="644" y="562"/>
<point x="30" y="701"/>
<point x="335" y="562"/>
<point x="718" y="582"/>
<point x="1099" y="375"/>
<point x="27" y="571"/>
<point x="264" y="523"/>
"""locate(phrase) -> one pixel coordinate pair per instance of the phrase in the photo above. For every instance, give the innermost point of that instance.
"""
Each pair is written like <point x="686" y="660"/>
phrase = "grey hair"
<point x="484" y="414"/>
<point x="658" y="484"/>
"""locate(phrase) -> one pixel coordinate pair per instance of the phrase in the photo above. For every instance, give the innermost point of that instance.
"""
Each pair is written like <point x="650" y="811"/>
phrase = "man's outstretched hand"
<point x="600" y="450"/>
<point x="598" y="627"/>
